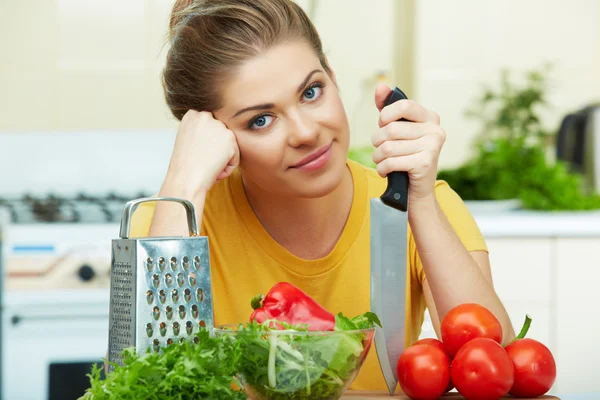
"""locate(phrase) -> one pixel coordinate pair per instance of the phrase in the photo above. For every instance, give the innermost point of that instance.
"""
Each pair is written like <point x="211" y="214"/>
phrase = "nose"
<point x="303" y="129"/>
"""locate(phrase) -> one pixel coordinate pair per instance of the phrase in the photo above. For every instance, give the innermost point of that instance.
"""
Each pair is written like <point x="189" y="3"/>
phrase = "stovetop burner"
<point x="82" y="208"/>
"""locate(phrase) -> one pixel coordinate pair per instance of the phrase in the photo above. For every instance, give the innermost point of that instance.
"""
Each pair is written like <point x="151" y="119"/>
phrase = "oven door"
<point x="50" y="341"/>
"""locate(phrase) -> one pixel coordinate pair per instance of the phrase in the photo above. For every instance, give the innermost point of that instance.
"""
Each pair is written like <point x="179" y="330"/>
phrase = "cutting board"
<point x="355" y="395"/>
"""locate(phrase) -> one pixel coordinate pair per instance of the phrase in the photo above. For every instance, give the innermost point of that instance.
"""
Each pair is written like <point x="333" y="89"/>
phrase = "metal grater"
<point x="160" y="287"/>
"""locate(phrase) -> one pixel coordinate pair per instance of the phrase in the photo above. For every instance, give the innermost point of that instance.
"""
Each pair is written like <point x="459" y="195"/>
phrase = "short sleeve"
<point x="460" y="219"/>
<point x="141" y="220"/>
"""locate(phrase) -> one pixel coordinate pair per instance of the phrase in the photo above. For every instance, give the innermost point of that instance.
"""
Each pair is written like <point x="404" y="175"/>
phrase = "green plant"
<point x="182" y="371"/>
<point x="510" y="152"/>
<point x="362" y="155"/>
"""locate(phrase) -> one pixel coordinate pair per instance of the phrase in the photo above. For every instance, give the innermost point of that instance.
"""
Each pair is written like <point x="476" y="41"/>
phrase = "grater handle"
<point x="131" y="205"/>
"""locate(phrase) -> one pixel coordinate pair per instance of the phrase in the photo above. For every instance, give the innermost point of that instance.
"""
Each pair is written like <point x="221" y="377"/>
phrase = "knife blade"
<point x="389" y="225"/>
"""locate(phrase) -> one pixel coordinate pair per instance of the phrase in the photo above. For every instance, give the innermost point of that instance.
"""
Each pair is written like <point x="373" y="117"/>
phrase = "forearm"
<point x="453" y="275"/>
<point x="169" y="217"/>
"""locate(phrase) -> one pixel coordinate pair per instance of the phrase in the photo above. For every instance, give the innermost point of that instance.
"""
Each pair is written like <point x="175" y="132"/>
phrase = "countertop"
<point x="354" y="395"/>
<point x="504" y="219"/>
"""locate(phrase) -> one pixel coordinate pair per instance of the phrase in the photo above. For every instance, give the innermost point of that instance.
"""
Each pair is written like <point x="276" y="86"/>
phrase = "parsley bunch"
<point x="184" y="371"/>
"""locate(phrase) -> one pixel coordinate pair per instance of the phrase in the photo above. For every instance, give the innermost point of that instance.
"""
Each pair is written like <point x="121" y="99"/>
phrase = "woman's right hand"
<point x="205" y="151"/>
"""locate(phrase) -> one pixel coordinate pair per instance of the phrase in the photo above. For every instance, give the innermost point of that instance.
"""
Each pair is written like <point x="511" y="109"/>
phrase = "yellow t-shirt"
<point x="246" y="261"/>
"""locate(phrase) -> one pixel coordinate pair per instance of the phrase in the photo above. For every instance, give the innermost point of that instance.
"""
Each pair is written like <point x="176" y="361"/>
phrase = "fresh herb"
<point x="183" y="371"/>
<point x="295" y="363"/>
<point x="504" y="170"/>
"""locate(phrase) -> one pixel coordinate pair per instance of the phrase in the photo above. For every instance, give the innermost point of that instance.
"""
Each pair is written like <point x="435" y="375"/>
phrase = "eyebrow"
<point x="267" y="106"/>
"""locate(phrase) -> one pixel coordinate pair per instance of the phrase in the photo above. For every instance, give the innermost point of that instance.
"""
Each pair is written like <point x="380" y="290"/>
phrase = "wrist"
<point x="175" y="186"/>
<point x="425" y="217"/>
<point x="421" y="209"/>
<point x="427" y="202"/>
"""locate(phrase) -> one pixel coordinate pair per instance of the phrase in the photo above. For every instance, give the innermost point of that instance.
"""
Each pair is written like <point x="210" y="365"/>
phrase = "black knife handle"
<point x="396" y="194"/>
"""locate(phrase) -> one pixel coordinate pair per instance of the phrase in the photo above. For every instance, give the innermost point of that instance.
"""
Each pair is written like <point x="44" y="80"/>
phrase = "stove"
<point x="55" y="260"/>
<point x="82" y="208"/>
<point x="54" y="242"/>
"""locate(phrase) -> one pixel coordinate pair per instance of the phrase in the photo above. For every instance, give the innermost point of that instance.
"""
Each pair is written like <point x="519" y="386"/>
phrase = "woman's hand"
<point x="205" y="151"/>
<point x="413" y="146"/>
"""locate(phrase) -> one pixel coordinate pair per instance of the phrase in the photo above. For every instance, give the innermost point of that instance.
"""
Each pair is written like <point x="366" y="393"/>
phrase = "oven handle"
<point x="16" y="319"/>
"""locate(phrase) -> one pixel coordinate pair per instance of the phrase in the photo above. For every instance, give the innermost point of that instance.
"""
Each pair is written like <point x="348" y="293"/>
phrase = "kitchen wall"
<point x="462" y="44"/>
<point x="78" y="65"/>
<point x="88" y="65"/>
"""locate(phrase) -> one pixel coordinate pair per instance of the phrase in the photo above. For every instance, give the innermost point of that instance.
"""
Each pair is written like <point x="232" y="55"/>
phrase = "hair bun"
<point x="177" y="14"/>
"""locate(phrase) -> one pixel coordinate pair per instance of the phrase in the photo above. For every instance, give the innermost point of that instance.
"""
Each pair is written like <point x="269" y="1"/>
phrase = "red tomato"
<point x="535" y="368"/>
<point x="433" y="342"/>
<point x="440" y="345"/>
<point x="482" y="370"/>
<point x="469" y="321"/>
<point x="423" y="371"/>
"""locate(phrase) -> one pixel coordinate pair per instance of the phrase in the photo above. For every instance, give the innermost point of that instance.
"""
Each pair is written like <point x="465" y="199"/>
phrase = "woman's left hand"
<point x="413" y="146"/>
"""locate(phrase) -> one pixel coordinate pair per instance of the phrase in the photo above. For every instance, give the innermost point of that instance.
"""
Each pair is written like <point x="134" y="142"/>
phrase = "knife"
<point x="389" y="225"/>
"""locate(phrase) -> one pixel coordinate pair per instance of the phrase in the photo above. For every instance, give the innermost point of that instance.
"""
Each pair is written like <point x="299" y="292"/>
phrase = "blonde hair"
<point x="210" y="38"/>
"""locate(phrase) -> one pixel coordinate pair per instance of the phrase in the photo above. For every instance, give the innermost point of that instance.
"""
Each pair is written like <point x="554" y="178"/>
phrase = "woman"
<point x="261" y="151"/>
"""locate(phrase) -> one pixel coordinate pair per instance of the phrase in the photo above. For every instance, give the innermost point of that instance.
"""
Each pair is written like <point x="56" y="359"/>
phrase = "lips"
<point x="311" y="157"/>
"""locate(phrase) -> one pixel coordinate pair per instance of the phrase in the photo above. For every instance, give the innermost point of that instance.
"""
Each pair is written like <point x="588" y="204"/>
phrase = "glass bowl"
<point x="290" y="364"/>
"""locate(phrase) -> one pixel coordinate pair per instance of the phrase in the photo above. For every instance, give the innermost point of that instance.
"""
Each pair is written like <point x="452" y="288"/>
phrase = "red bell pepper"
<point x="287" y="303"/>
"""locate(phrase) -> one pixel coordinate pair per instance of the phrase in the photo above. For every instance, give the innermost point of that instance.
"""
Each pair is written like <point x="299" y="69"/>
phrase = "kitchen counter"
<point x="497" y="221"/>
<point x="354" y="395"/>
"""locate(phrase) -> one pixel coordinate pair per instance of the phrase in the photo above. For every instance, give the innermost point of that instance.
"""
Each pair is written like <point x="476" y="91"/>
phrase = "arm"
<point x="410" y="139"/>
<point x="205" y="151"/>
<point x="454" y="275"/>
<point x="169" y="218"/>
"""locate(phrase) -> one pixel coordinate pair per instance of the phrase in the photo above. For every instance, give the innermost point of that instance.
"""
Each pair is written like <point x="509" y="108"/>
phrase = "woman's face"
<point x="289" y="121"/>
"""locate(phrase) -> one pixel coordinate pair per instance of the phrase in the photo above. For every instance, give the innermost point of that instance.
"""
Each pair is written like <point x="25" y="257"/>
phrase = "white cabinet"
<point x="521" y="271"/>
<point x="556" y="280"/>
<point x="522" y="274"/>
<point x="577" y="304"/>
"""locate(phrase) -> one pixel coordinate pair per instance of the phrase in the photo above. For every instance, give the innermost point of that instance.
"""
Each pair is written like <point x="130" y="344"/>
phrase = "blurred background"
<point x="84" y="128"/>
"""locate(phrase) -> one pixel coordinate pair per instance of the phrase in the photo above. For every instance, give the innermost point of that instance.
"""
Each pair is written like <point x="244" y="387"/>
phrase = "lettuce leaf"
<point x="295" y="364"/>
<point x="363" y="321"/>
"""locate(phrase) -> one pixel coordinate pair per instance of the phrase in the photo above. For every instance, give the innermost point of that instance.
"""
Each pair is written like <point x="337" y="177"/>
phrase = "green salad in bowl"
<point x="292" y="362"/>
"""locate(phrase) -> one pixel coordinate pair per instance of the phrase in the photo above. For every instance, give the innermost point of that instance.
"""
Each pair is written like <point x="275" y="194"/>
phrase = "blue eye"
<point x="313" y="92"/>
<point x="260" y="122"/>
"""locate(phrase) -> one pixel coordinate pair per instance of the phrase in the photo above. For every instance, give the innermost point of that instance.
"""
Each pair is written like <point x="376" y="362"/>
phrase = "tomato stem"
<point x="524" y="329"/>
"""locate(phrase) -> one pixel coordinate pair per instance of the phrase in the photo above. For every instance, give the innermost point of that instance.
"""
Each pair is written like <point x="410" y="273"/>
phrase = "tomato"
<point x="468" y="321"/>
<point x="433" y="342"/>
<point x="482" y="370"/>
<point x="440" y="345"/>
<point x="423" y="371"/>
<point x="535" y="368"/>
